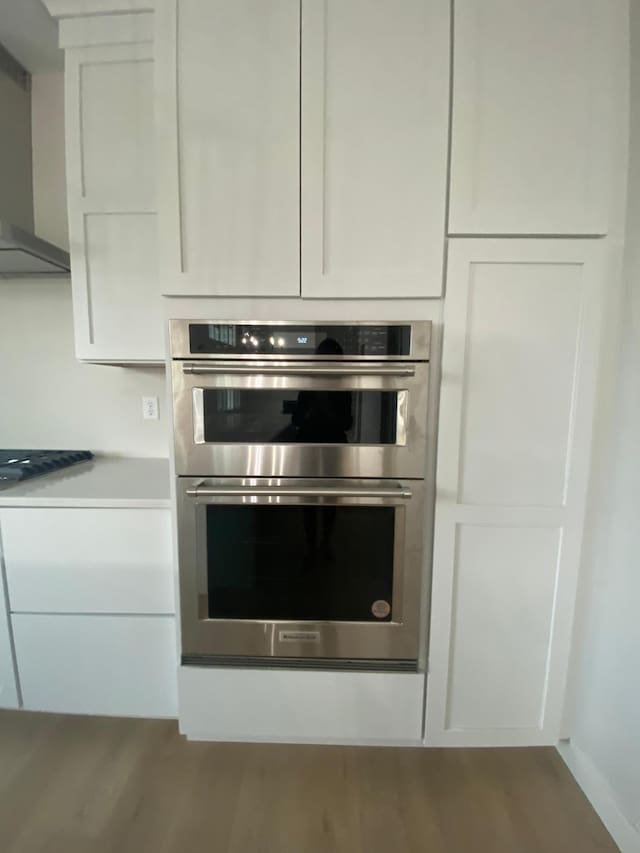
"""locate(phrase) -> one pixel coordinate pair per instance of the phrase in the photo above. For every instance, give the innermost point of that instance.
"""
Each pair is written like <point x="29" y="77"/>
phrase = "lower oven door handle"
<point x="298" y="491"/>
<point x="311" y="370"/>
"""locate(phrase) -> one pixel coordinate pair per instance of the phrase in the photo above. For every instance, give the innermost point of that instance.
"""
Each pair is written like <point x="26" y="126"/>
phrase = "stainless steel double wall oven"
<point x="300" y="452"/>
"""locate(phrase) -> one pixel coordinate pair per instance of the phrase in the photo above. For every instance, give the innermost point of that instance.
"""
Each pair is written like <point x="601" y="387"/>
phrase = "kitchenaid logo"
<point x="299" y="636"/>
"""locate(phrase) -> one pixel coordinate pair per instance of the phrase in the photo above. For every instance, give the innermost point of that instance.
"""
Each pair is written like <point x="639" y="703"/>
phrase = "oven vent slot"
<point x="352" y="665"/>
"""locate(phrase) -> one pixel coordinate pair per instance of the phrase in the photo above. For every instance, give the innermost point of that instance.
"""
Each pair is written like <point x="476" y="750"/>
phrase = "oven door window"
<point x="260" y="416"/>
<point x="300" y="562"/>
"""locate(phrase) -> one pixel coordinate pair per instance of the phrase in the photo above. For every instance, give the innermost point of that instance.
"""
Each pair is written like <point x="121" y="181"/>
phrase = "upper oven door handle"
<point x="297" y="370"/>
<point x="299" y="491"/>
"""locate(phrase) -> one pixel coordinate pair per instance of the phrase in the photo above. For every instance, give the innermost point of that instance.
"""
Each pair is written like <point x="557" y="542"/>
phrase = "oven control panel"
<point x="321" y="340"/>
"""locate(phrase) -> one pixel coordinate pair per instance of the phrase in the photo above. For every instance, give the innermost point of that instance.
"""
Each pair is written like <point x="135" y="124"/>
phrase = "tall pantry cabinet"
<point x="538" y="148"/>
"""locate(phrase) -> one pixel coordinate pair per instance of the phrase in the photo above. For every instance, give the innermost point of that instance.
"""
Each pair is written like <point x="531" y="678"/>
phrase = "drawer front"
<point x="88" y="560"/>
<point x="300" y="705"/>
<point x="111" y="665"/>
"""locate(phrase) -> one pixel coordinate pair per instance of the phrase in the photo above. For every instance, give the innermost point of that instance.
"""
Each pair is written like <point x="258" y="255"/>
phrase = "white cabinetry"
<point x="368" y="152"/>
<point x="110" y="141"/>
<point x="301" y="706"/>
<point x="535" y="115"/>
<point x="93" y="560"/>
<point x="115" y="665"/>
<point x="228" y="118"/>
<point x="522" y="328"/>
<point x="8" y="686"/>
<point x="375" y="106"/>
<point x="92" y="608"/>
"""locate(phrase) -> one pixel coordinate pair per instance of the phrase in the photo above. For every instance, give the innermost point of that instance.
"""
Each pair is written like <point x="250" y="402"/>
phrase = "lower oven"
<point x="314" y="570"/>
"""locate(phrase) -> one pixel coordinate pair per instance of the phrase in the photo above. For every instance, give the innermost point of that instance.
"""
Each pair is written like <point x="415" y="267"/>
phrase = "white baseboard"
<point x="600" y="796"/>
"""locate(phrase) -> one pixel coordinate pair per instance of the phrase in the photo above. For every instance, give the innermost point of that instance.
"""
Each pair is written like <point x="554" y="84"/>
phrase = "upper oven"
<point x="322" y="400"/>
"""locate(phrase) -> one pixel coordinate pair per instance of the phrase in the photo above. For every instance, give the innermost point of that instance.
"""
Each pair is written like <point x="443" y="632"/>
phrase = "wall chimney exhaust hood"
<point x="24" y="254"/>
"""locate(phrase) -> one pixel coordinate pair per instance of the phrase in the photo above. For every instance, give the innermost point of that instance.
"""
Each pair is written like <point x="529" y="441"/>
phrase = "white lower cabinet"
<point x="8" y="684"/>
<point x="297" y="706"/>
<point x="520" y="354"/>
<point x="89" y="560"/>
<point x="90" y="590"/>
<point x="112" y="665"/>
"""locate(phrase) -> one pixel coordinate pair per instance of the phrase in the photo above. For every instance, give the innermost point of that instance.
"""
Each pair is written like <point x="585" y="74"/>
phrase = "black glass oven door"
<point x="300" y="568"/>
<point x="299" y="562"/>
<point x="283" y="416"/>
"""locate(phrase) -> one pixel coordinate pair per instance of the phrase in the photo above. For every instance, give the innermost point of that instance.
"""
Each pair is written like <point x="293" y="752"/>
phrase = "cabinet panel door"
<point x="228" y="109"/>
<point x="88" y="560"/>
<point x="522" y="327"/>
<point x="535" y="115"/>
<point x="501" y="613"/>
<point x="114" y="665"/>
<point x="375" y="101"/>
<point x="110" y="136"/>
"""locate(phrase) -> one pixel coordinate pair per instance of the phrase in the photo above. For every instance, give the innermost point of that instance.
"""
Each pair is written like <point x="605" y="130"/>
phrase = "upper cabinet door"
<point x="228" y="120"/>
<point x="535" y="99"/>
<point x="111" y="196"/>
<point x="375" y="102"/>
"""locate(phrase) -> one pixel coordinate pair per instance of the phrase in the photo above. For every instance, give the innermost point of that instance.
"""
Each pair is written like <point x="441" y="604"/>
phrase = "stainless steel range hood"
<point x="24" y="254"/>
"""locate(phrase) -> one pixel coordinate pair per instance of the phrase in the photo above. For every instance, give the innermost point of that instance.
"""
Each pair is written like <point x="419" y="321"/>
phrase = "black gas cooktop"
<point x="18" y="465"/>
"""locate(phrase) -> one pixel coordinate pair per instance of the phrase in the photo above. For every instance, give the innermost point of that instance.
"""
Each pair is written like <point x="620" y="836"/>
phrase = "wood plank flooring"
<point x="96" y="785"/>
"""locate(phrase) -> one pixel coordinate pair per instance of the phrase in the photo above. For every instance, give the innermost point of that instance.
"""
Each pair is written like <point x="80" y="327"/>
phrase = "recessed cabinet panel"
<point x="534" y="115"/>
<point x="522" y="327"/>
<point x="229" y="107"/>
<point x="504" y="581"/>
<point x="122" y="281"/>
<point x="375" y="83"/>
<point x="116" y="107"/>
<point x="519" y="382"/>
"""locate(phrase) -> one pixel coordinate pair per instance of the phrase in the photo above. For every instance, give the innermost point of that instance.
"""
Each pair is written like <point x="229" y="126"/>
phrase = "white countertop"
<point x="105" y="481"/>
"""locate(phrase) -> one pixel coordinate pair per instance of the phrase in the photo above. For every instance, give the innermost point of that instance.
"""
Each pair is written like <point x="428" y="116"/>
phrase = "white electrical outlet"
<point x="150" y="408"/>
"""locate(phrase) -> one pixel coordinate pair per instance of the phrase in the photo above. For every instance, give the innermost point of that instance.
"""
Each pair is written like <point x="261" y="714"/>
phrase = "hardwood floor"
<point x="95" y="785"/>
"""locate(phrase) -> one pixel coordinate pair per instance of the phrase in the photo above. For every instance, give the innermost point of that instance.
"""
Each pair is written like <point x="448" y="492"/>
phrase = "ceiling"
<point x="30" y="35"/>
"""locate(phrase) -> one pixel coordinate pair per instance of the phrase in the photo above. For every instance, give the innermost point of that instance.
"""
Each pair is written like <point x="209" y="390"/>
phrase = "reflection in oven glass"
<point x="300" y="562"/>
<point x="279" y="416"/>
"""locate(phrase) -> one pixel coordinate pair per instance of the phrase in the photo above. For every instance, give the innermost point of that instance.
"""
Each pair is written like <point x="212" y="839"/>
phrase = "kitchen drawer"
<point x="112" y="665"/>
<point x="297" y="705"/>
<point x="67" y="560"/>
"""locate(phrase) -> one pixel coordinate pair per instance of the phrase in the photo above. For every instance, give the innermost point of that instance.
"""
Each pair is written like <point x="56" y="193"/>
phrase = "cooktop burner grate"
<point x="18" y="465"/>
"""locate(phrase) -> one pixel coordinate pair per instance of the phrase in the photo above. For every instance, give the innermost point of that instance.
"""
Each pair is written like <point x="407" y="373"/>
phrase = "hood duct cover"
<point x="23" y="254"/>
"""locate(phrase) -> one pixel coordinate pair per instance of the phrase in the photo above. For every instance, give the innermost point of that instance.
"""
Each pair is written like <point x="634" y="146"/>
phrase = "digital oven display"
<point x="303" y="340"/>
<point x="321" y="339"/>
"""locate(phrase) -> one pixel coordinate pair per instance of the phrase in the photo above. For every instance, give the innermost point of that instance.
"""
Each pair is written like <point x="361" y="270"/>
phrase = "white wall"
<point x="48" y="399"/>
<point x="606" y="708"/>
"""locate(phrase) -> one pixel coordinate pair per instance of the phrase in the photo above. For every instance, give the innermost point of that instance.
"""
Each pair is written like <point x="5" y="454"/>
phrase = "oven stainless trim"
<point x="419" y="349"/>
<point x="394" y="640"/>
<point x="405" y="458"/>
